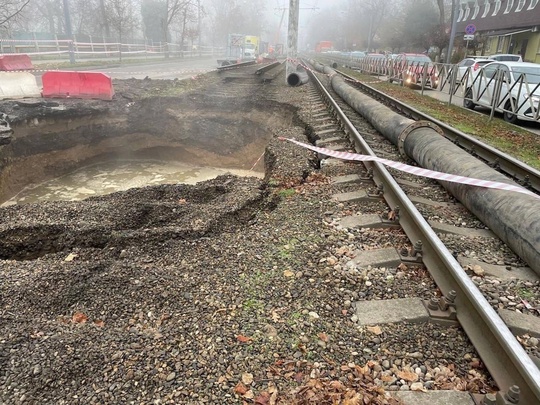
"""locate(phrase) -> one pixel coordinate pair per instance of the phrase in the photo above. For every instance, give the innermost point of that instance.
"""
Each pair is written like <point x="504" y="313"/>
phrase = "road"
<point x="163" y="69"/>
<point x="176" y="69"/>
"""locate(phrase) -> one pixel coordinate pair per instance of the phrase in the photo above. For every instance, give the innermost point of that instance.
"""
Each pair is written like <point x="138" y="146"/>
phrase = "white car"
<point x="472" y="65"/>
<point x="506" y="57"/>
<point x="518" y="85"/>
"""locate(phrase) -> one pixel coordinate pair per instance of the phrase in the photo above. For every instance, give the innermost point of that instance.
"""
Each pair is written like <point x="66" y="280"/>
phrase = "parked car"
<point x="519" y="90"/>
<point x="409" y="68"/>
<point x="472" y="65"/>
<point x="506" y="57"/>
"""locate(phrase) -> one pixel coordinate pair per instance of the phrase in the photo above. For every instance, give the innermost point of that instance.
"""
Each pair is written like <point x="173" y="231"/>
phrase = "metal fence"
<point x="515" y="94"/>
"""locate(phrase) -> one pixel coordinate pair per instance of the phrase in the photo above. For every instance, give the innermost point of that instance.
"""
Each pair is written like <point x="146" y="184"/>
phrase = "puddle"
<point x="106" y="178"/>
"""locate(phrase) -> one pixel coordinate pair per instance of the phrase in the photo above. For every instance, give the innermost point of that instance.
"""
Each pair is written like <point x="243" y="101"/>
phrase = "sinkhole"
<point x="91" y="147"/>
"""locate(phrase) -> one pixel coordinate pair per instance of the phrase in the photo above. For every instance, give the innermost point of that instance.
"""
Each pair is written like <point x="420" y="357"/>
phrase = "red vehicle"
<point x="324" y="46"/>
<point x="409" y="69"/>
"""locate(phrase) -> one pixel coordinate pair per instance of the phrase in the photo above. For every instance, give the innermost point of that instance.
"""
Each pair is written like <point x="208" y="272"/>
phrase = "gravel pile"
<point x="235" y="290"/>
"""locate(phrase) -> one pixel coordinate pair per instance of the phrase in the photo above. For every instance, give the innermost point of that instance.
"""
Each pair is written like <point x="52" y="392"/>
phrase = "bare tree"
<point x="122" y="18"/>
<point x="10" y="10"/>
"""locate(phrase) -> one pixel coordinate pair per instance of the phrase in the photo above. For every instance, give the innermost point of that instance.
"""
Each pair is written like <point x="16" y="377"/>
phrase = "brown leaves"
<point x="407" y="375"/>
<point x="347" y="384"/>
<point x="243" y="339"/>
<point x="79" y="317"/>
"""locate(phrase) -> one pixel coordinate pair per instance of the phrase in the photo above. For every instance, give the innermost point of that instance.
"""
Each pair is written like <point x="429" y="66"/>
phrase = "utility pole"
<point x="455" y="12"/>
<point x="69" y="32"/>
<point x="292" y="37"/>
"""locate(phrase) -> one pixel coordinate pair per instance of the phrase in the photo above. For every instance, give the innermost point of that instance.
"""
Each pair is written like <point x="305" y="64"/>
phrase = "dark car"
<point x="409" y="68"/>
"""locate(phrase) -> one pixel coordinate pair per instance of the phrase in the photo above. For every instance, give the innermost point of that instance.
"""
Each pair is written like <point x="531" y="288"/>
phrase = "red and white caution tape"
<point x="417" y="171"/>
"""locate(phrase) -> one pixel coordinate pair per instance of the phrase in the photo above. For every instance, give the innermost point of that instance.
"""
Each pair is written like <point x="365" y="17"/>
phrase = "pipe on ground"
<point x="297" y="75"/>
<point x="513" y="217"/>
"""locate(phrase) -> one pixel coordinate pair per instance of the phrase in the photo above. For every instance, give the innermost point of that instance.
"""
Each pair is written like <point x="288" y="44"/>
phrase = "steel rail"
<point x="500" y="351"/>
<point x="509" y="165"/>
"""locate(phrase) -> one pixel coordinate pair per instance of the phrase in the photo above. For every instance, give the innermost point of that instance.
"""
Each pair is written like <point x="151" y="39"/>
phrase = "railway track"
<point x="428" y="216"/>
<point x="525" y="175"/>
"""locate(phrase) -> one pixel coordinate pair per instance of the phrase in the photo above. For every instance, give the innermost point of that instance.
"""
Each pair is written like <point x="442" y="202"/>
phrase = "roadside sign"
<point x="470" y="29"/>
<point x="468" y="37"/>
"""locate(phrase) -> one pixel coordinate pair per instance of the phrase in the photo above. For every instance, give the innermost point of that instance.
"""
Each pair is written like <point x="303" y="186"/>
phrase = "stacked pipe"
<point x="296" y="74"/>
<point x="513" y="217"/>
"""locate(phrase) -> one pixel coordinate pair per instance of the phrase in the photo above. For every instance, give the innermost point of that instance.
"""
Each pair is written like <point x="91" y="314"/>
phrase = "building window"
<point x="532" y="5"/>
<point x="487" y="6"/>
<point x="497" y="8"/>
<point x="476" y="10"/>
<point x="520" y="5"/>
<point x="509" y="6"/>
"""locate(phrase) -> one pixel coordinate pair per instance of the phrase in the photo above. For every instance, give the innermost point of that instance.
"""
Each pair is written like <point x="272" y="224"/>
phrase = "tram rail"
<point x="504" y="357"/>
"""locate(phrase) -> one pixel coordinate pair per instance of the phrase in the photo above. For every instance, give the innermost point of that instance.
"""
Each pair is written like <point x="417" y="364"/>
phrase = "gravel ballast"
<point x="235" y="290"/>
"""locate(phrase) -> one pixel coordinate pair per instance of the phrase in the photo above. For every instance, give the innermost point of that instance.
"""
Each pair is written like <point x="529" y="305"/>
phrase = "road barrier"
<point x="15" y="62"/>
<point x="18" y="85"/>
<point x="87" y="85"/>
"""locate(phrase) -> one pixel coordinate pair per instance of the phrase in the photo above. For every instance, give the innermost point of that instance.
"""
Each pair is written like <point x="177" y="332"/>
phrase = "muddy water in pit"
<point x="106" y="178"/>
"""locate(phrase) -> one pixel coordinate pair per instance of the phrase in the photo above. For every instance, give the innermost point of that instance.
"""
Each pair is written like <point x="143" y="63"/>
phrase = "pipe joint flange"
<point x="415" y="125"/>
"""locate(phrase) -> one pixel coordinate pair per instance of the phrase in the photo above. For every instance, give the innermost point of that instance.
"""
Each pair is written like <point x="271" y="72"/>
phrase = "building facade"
<point x="506" y="26"/>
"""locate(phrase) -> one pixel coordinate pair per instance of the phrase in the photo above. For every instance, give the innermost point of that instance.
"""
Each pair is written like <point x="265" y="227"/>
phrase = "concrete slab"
<point x="347" y="179"/>
<point x="404" y="182"/>
<point x="502" y="272"/>
<point x="425" y="201"/>
<point x="521" y="324"/>
<point x="377" y="258"/>
<point x="380" y="312"/>
<point x="334" y="139"/>
<point x="352" y="196"/>
<point x="365" y="221"/>
<point x="326" y="132"/>
<point x="324" y="126"/>
<point x="434" y="397"/>
<point x="457" y="230"/>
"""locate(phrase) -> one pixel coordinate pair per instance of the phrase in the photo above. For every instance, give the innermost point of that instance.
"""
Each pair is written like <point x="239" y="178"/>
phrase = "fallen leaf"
<point x="263" y="398"/>
<point x="275" y="316"/>
<point x="247" y="378"/>
<point x="70" y="257"/>
<point x="407" y="375"/>
<point x="243" y="339"/>
<point x="288" y="273"/>
<point x="99" y="323"/>
<point x="182" y="201"/>
<point x="375" y="329"/>
<point x="79" y="317"/>
<point x="323" y="336"/>
<point x="240" y="388"/>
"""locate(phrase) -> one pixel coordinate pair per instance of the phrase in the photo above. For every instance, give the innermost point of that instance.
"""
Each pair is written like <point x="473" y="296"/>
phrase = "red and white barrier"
<point x="86" y="85"/>
<point x="18" y="85"/>
<point x="15" y="62"/>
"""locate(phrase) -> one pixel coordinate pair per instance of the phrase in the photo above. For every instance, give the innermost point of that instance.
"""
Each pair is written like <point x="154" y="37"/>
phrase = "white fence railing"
<point x="515" y="94"/>
<point x="63" y="48"/>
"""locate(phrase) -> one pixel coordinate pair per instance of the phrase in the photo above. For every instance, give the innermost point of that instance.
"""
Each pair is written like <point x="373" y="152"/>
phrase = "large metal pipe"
<point x="296" y="74"/>
<point x="513" y="217"/>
